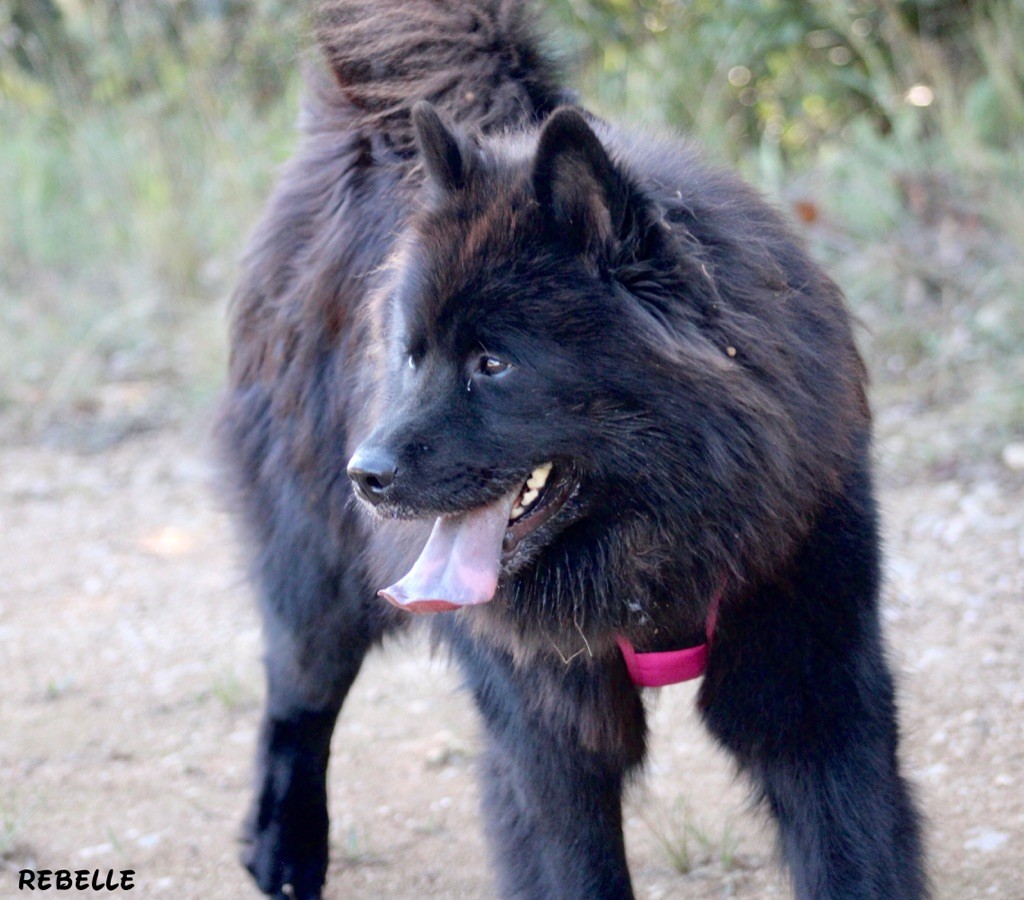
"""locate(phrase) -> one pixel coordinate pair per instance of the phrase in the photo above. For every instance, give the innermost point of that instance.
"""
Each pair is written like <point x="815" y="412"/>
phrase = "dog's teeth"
<point x="531" y="490"/>
<point x="539" y="476"/>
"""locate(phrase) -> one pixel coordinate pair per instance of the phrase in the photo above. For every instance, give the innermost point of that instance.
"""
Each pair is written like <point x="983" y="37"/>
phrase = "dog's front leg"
<point x="798" y="688"/>
<point x="318" y="624"/>
<point x="562" y="739"/>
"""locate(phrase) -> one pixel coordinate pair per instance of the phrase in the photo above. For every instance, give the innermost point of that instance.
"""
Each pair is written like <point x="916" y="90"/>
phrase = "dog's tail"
<point x="481" y="62"/>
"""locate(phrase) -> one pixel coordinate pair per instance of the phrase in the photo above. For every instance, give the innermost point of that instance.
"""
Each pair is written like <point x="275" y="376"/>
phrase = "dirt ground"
<point x="131" y="688"/>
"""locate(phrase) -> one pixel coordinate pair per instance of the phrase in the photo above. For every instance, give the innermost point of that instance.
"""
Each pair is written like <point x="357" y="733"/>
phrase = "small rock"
<point x="1013" y="457"/>
<point x="935" y="772"/>
<point x="95" y="850"/>
<point x="986" y="840"/>
<point x="446" y="749"/>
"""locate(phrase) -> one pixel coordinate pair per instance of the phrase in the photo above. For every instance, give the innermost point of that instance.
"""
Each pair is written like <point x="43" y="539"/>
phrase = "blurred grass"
<point x="139" y="141"/>
<point x="129" y="188"/>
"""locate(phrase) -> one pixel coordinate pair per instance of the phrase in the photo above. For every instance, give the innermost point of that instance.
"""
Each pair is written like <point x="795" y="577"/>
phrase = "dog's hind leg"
<point x="562" y="741"/>
<point x="319" y="623"/>
<point x="799" y="690"/>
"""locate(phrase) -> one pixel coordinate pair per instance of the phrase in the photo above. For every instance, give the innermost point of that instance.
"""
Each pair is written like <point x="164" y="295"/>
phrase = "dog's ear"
<point x="582" y="195"/>
<point x="439" y="148"/>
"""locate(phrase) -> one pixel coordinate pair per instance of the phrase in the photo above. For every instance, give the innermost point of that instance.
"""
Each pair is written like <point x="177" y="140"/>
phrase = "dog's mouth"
<point x="542" y="495"/>
<point x="462" y="559"/>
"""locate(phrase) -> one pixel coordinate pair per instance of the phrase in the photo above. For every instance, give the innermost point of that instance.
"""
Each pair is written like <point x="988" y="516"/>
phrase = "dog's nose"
<point x="372" y="470"/>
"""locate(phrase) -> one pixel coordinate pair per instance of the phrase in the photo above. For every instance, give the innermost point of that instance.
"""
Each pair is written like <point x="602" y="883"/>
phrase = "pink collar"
<point x="669" y="666"/>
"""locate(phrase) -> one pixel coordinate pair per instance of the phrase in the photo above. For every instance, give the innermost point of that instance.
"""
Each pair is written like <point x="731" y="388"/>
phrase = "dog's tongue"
<point x="459" y="564"/>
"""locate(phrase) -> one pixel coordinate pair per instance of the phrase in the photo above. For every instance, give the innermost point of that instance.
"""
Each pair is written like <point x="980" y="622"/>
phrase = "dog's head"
<point x="517" y="400"/>
<point x="563" y="396"/>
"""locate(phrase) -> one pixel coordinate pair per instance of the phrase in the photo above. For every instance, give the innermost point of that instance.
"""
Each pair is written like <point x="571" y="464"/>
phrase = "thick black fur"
<point x="677" y="355"/>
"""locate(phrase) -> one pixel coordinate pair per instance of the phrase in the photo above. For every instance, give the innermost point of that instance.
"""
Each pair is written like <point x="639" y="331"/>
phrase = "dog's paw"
<point x="285" y="838"/>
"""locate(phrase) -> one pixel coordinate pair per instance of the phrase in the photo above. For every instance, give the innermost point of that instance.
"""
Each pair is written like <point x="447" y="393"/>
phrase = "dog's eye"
<point x="491" y="365"/>
<point x="410" y="361"/>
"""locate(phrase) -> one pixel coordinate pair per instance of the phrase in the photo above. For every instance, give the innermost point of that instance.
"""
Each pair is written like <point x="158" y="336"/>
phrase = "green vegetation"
<point x="233" y="692"/>
<point x="140" y="139"/>
<point x="686" y="843"/>
<point x="14" y="816"/>
<point x="139" y="142"/>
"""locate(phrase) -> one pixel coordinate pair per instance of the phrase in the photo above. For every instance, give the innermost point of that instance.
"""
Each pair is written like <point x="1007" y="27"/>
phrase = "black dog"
<point x="626" y="407"/>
